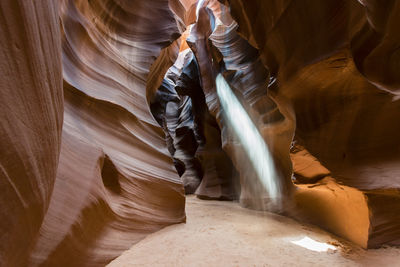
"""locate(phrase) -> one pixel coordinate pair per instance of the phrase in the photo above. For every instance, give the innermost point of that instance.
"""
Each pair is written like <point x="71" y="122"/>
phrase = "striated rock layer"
<point x="193" y="135"/>
<point x="311" y="90"/>
<point x="31" y="108"/>
<point x="220" y="49"/>
<point x="112" y="182"/>
<point x="334" y="65"/>
<point x="78" y="191"/>
<point x="115" y="182"/>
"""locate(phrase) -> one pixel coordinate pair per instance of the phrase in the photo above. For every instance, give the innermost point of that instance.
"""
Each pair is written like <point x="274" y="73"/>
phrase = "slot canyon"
<point x="199" y="133"/>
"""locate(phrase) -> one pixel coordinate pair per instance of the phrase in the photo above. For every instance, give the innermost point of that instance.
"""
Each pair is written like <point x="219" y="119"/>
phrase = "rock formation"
<point x="31" y="121"/>
<point x="193" y="136"/>
<point x="115" y="181"/>
<point x="111" y="113"/>
<point x="334" y="66"/>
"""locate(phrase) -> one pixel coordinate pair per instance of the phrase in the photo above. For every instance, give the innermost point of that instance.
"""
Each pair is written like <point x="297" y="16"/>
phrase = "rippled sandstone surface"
<point x="100" y="137"/>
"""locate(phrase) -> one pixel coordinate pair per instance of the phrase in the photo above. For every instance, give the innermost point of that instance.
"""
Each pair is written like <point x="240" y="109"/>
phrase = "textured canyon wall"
<point x="193" y="135"/>
<point x="95" y="130"/>
<point x="220" y="49"/>
<point x="80" y="191"/>
<point x="31" y="118"/>
<point x="115" y="182"/>
<point x="375" y="46"/>
<point x="334" y="66"/>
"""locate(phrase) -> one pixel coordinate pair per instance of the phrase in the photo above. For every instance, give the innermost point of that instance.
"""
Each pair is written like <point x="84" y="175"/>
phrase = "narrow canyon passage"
<point x="224" y="234"/>
<point x="199" y="132"/>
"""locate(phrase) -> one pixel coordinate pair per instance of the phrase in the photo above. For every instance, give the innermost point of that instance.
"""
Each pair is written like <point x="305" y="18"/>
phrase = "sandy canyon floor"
<point x="221" y="233"/>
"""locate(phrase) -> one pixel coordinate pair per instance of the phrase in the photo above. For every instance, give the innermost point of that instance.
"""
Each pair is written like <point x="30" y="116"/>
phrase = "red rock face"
<point x="334" y="63"/>
<point x="193" y="135"/>
<point x="375" y="46"/>
<point x="31" y="120"/>
<point x="115" y="180"/>
<point x="220" y="49"/>
<point x="97" y="129"/>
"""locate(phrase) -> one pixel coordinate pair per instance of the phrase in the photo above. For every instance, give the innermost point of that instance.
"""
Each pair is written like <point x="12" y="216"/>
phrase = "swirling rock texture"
<point x="219" y="48"/>
<point x="334" y="63"/>
<point x="219" y="179"/>
<point x="314" y="89"/>
<point x="193" y="136"/>
<point x="249" y="79"/>
<point x="31" y="119"/>
<point x="174" y="114"/>
<point x="115" y="180"/>
<point x="375" y="47"/>
<point x="319" y="80"/>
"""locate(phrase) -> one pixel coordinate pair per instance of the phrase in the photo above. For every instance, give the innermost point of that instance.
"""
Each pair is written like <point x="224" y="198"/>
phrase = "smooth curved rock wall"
<point x="31" y="118"/>
<point x="334" y="65"/>
<point x="115" y="182"/>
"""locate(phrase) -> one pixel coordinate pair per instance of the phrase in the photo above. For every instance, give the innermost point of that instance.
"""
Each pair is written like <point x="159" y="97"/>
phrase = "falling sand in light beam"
<point x="250" y="138"/>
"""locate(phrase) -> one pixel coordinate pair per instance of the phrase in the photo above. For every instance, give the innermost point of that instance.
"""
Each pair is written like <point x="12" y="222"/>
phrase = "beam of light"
<point x="250" y="138"/>
<point x="313" y="245"/>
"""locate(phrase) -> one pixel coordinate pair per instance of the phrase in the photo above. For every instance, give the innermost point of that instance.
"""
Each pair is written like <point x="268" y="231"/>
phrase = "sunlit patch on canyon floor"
<point x="224" y="234"/>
